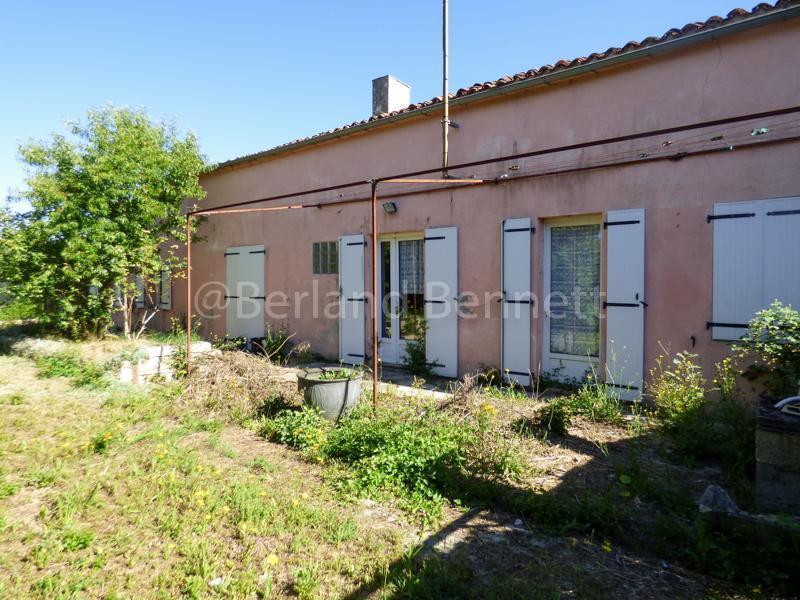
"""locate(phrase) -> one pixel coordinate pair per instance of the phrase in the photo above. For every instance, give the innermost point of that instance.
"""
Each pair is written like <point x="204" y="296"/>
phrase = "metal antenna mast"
<point x="445" y="86"/>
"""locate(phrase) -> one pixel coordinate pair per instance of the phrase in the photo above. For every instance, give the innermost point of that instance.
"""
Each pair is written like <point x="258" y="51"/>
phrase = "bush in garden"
<point x="773" y="339"/>
<point x="677" y="388"/>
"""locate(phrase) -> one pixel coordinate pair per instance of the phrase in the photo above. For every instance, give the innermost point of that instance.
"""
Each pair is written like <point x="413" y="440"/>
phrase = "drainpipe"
<point x="374" y="206"/>
<point x="445" y="92"/>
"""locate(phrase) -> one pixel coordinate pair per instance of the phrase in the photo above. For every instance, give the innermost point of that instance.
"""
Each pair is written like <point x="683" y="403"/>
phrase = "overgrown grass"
<point x="70" y="365"/>
<point x="412" y="452"/>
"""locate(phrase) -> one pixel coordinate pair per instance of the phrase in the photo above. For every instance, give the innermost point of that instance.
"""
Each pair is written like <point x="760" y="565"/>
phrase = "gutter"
<point x="745" y="24"/>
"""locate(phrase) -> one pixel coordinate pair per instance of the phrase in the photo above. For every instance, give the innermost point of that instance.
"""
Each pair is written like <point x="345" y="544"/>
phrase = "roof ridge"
<point x="712" y="22"/>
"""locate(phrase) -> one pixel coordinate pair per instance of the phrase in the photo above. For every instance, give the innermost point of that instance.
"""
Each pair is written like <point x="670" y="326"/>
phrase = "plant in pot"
<point x="334" y="392"/>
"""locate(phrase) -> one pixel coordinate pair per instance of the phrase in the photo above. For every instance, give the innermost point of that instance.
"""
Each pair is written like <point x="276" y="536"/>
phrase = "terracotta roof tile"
<point x="710" y="23"/>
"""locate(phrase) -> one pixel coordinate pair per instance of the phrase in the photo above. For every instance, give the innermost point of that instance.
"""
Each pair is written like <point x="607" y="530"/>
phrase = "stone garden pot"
<point x="334" y="397"/>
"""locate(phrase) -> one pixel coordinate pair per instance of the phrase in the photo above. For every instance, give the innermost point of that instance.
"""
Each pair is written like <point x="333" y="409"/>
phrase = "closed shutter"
<point x="139" y="301"/>
<point x="441" y="300"/>
<point x="738" y="267"/>
<point x="352" y="299"/>
<point x="625" y="302"/>
<point x="165" y="290"/>
<point x="244" y="271"/>
<point x="782" y="252"/>
<point x="517" y="300"/>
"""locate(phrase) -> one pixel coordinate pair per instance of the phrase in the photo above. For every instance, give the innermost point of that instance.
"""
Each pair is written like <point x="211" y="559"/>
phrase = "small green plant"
<point x="74" y="539"/>
<point x="275" y="344"/>
<point x="677" y="387"/>
<point x="556" y="416"/>
<point x="773" y="338"/>
<point x="596" y="401"/>
<point x="415" y="358"/>
<point x="340" y="373"/>
<point x="306" y="581"/>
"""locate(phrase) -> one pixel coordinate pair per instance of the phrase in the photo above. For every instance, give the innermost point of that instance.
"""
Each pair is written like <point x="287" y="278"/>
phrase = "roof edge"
<point x="759" y="20"/>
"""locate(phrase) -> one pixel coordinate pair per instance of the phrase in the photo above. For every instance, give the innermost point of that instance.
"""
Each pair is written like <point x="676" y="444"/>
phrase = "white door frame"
<point x="392" y="350"/>
<point x="574" y="366"/>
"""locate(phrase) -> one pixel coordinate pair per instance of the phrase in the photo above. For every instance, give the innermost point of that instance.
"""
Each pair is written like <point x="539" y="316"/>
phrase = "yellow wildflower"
<point x="272" y="560"/>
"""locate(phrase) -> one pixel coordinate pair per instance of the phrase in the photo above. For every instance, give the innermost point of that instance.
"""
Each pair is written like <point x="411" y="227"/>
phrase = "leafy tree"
<point x="104" y="208"/>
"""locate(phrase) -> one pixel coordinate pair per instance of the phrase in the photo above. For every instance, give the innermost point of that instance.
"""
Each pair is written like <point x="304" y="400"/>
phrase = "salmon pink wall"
<point x="749" y="72"/>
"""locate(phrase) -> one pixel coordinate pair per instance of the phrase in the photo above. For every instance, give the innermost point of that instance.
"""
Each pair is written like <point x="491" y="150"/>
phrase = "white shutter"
<point x="140" y="296"/>
<point x="625" y="302"/>
<point x="244" y="269"/>
<point x="782" y="252"/>
<point x="165" y="291"/>
<point x="517" y="300"/>
<point x="441" y="304"/>
<point x="738" y="267"/>
<point x="352" y="301"/>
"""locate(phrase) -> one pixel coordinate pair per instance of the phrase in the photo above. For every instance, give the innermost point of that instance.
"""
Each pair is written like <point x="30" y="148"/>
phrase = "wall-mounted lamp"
<point x="389" y="208"/>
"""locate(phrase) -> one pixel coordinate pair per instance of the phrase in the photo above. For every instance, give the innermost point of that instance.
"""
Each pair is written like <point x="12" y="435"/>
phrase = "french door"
<point x="401" y="277"/>
<point x="572" y="297"/>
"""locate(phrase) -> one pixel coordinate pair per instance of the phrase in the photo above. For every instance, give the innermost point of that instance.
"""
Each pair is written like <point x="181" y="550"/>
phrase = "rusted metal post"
<point x="374" y="300"/>
<point x="188" y="292"/>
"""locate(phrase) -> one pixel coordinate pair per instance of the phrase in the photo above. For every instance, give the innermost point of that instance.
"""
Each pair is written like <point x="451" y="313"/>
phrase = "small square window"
<point x="325" y="258"/>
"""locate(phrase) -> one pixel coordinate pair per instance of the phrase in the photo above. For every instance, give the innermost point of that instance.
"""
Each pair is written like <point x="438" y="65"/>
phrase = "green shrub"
<point x="773" y="338"/>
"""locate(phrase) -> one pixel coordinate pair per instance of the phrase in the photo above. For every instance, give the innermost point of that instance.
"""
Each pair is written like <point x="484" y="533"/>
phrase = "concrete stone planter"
<point x="334" y="397"/>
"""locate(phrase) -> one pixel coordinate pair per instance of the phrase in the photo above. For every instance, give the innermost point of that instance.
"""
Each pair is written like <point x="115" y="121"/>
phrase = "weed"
<point x="306" y="581"/>
<point x="68" y="364"/>
<point x="75" y="539"/>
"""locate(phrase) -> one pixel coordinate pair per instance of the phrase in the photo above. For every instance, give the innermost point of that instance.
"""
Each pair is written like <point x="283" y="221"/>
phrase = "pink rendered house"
<point x="644" y="197"/>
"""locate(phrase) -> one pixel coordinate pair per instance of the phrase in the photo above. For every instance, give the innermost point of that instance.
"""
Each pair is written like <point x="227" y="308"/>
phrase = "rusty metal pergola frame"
<point x="449" y="183"/>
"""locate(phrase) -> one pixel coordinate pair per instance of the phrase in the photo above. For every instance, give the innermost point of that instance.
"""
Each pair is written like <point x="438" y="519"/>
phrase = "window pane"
<point x="334" y="257"/>
<point x="386" y="288"/>
<point x="412" y="277"/>
<point x="574" y="289"/>
<point x="315" y="266"/>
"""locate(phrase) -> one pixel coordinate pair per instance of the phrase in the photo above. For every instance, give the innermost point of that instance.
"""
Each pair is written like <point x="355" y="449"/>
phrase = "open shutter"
<point x="165" y="290"/>
<point x="517" y="300"/>
<point x="441" y="300"/>
<point x="738" y="267"/>
<point x="352" y="299"/>
<point x="244" y="269"/>
<point x="781" y="256"/>
<point x="140" y="296"/>
<point x="625" y="302"/>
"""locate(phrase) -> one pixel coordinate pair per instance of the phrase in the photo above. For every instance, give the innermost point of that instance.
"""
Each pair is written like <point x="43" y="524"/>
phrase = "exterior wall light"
<point x="389" y="208"/>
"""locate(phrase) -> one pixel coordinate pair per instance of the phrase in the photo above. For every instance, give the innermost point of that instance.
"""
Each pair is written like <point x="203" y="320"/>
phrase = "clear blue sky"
<point x="245" y="76"/>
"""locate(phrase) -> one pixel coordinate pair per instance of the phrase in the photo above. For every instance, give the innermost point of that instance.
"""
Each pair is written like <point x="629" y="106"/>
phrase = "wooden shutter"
<point x="782" y="252"/>
<point x="352" y="300"/>
<point x="625" y="301"/>
<point x="517" y="300"/>
<point x="441" y="300"/>
<point x="244" y="271"/>
<point x="165" y="290"/>
<point x="139" y="301"/>
<point x="738" y="280"/>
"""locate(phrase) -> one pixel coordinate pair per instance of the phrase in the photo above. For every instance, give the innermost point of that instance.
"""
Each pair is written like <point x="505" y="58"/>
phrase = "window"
<point x="755" y="261"/>
<point x="325" y="258"/>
